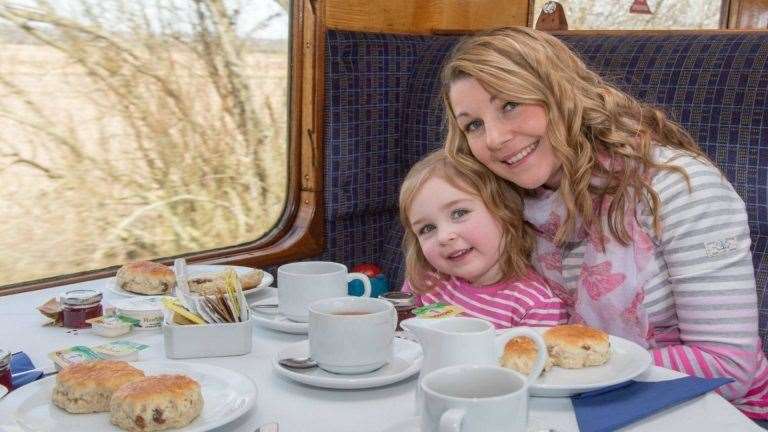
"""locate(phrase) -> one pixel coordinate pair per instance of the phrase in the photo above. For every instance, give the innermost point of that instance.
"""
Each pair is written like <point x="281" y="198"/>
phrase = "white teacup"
<point x="351" y="335"/>
<point x="474" y="398"/>
<point x="301" y="283"/>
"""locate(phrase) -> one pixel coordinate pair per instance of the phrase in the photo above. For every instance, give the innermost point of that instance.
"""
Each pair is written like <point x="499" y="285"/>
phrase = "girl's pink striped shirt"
<point x="526" y="301"/>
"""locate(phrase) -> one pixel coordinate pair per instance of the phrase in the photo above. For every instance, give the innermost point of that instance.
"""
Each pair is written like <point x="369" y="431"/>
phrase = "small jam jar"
<point x="404" y="303"/>
<point x="5" y="369"/>
<point x="79" y="306"/>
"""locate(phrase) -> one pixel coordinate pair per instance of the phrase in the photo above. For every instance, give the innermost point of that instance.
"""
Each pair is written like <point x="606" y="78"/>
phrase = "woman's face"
<point x="508" y="138"/>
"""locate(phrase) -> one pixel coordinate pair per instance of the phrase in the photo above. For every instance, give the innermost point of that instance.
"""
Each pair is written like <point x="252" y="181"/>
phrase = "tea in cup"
<point x="301" y="283"/>
<point x="351" y="335"/>
<point x="474" y="398"/>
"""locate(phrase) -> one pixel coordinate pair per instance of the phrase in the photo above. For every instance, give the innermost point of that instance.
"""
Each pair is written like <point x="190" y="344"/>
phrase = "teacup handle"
<point x="450" y="421"/>
<point x="541" y="348"/>
<point x="364" y="279"/>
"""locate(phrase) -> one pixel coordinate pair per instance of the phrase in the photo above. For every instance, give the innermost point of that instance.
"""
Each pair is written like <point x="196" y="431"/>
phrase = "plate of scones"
<point x="581" y="359"/>
<point x="148" y="278"/>
<point x="114" y="395"/>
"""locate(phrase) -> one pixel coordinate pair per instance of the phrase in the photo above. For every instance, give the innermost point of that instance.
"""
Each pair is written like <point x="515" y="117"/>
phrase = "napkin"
<point x="22" y="370"/>
<point x="617" y="406"/>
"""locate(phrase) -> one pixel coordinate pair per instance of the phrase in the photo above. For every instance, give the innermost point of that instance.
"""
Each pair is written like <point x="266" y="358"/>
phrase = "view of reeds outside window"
<point x="138" y="129"/>
<point x="616" y="14"/>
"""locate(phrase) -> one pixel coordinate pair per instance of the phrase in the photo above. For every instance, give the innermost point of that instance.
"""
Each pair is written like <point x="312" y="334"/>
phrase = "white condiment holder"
<point x="205" y="340"/>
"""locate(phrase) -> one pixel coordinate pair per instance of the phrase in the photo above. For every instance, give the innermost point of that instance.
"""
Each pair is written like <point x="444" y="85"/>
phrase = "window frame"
<point x="299" y="233"/>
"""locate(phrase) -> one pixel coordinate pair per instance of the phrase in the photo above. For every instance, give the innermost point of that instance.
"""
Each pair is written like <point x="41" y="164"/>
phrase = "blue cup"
<point x="379" y="285"/>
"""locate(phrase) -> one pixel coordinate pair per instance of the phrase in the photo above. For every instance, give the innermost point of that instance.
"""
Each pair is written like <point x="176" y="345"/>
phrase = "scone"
<point x="88" y="387"/>
<point x="206" y="284"/>
<point x="156" y="403"/>
<point x="252" y="279"/>
<point x="576" y="346"/>
<point x="520" y="355"/>
<point x="146" y="277"/>
<point x="211" y="283"/>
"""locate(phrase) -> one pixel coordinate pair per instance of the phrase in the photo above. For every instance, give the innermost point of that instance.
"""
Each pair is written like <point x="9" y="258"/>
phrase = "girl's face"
<point x="508" y="138"/>
<point x="456" y="232"/>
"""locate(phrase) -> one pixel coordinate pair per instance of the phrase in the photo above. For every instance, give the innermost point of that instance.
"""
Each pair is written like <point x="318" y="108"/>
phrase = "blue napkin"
<point x="22" y="370"/>
<point x="617" y="406"/>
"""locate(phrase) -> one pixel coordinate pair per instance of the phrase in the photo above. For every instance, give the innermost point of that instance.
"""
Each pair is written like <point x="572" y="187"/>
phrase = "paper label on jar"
<point x="438" y="310"/>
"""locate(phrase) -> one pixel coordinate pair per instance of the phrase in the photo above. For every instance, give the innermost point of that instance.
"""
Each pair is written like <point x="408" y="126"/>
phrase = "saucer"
<point x="406" y="362"/>
<point x="272" y="319"/>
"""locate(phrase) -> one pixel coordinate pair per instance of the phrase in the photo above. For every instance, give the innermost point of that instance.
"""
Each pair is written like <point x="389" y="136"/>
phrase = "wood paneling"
<point x="424" y="16"/>
<point x="748" y="14"/>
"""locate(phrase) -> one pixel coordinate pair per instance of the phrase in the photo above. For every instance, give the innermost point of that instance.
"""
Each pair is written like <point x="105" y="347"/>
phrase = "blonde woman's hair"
<point x="501" y="199"/>
<point x="586" y="117"/>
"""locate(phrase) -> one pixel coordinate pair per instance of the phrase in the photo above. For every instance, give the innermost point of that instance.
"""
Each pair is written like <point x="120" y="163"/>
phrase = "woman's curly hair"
<point x="586" y="116"/>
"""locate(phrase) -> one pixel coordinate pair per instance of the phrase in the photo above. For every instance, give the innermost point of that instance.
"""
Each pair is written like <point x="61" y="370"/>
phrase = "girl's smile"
<point x="456" y="232"/>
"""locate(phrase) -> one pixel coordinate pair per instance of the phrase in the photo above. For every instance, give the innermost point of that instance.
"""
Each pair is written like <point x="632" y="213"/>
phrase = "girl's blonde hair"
<point x="501" y="199"/>
<point x="586" y="117"/>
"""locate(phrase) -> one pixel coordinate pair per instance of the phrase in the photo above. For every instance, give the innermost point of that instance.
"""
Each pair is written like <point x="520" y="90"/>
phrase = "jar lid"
<point x="5" y="358"/>
<point x="399" y="298"/>
<point x="81" y="297"/>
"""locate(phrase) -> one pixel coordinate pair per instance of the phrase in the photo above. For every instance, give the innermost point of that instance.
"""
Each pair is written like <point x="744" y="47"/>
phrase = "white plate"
<point x="406" y="362"/>
<point x="627" y="361"/>
<point x="412" y="425"/>
<point x="227" y="395"/>
<point x="196" y="269"/>
<point x="272" y="319"/>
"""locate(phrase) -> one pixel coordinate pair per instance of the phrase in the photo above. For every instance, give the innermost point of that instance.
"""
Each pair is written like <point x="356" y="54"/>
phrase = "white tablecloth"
<point x="299" y="408"/>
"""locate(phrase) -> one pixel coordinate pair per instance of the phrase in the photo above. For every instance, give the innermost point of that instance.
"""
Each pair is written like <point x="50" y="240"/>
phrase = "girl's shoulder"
<point x="532" y="285"/>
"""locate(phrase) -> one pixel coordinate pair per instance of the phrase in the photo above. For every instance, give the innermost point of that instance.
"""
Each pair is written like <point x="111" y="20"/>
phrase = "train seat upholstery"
<point x="382" y="114"/>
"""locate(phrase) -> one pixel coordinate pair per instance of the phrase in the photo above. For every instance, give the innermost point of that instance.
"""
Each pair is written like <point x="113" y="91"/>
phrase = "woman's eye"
<point x="473" y="126"/>
<point x="509" y="106"/>
<point x="456" y="214"/>
<point x="426" y="229"/>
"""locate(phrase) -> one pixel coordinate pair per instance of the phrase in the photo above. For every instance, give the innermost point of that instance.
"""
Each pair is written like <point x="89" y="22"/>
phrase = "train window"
<point x="638" y="14"/>
<point x="139" y="130"/>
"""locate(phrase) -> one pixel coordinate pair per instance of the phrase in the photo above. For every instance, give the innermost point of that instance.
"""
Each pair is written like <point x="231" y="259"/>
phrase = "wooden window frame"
<point x="299" y="233"/>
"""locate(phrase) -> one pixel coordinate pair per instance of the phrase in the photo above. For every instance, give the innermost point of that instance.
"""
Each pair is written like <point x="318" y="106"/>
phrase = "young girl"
<point x="637" y="231"/>
<point x="465" y="244"/>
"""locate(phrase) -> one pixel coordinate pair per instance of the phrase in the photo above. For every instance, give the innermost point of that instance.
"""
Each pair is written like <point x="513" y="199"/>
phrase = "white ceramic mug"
<point x="474" y="398"/>
<point x="301" y="283"/>
<point x="351" y="335"/>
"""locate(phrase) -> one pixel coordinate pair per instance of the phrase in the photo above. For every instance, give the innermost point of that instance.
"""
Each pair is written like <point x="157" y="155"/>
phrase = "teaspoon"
<point x="264" y="306"/>
<point x="298" y="362"/>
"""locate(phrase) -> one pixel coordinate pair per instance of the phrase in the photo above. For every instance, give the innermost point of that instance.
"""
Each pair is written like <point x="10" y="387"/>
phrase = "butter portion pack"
<point x="115" y="350"/>
<point x="438" y="310"/>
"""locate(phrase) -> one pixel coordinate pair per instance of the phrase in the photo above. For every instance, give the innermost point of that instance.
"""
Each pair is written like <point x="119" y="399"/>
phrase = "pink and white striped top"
<point x="526" y="301"/>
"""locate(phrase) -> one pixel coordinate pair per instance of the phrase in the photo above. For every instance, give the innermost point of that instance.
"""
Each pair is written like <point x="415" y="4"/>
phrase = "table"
<point x="297" y="407"/>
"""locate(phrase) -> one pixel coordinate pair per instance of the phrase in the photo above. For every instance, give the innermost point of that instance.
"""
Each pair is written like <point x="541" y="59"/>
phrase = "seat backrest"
<point x="383" y="114"/>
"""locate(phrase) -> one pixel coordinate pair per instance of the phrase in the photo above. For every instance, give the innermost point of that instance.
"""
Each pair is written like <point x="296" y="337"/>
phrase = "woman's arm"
<point x="705" y="244"/>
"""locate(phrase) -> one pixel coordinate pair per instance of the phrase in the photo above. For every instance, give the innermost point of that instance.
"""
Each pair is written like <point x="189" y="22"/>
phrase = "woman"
<point x="637" y="231"/>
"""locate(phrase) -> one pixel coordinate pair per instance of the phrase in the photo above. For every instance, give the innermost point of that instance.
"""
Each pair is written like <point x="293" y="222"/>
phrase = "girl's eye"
<point x="509" y="106"/>
<point x="426" y="229"/>
<point x="472" y="126"/>
<point x="456" y="214"/>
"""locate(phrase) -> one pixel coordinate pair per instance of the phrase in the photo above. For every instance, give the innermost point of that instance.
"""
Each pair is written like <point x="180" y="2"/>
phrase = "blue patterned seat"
<point x="382" y="114"/>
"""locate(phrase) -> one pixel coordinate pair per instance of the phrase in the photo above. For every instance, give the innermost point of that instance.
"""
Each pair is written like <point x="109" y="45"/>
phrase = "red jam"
<point x="79" y="306"/>
<point x="403" y="302"/>
<point x="5" y="369"/>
